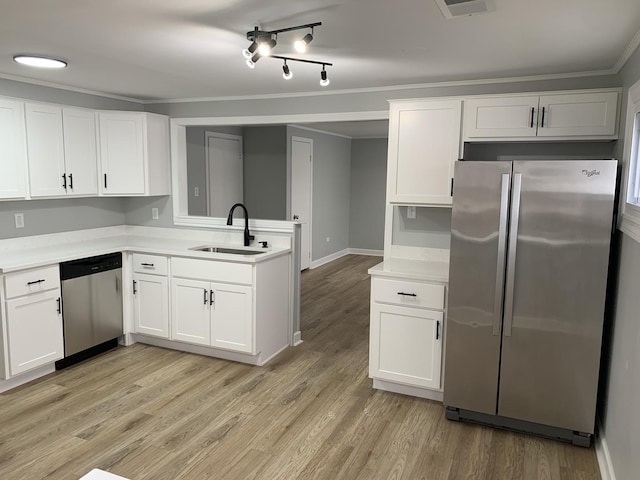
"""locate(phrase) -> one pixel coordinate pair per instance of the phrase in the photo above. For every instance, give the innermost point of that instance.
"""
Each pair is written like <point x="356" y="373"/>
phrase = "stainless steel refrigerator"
<point x="528" y="272"/>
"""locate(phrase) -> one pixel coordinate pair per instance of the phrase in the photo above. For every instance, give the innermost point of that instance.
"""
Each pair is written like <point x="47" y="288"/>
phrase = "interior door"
<point x="561" y="220"/>
<point x="476" y="279"/>
<point x="224" y="173"/>
<point x="301" y="193"/>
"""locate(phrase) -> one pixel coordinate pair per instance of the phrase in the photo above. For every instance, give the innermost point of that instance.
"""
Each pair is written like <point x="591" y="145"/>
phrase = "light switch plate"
<point x="411" y="211"/>
<point x="154" y="213"/>
<point x="196" y="192"/>
<point x="19" y="220"/>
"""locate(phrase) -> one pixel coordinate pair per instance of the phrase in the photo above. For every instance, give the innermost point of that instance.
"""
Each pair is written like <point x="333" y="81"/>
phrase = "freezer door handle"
<point x="502" y="252"/>
<point x="511" y="262"/>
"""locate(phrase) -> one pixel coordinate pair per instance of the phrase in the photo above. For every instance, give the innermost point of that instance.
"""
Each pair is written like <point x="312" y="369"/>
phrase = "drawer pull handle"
<point x="134" y="287"/>
<point x="147" y="264"/>
<point x="35" y="282"/>
<point x="212" y="298"/>
<point x="407" y="294"/>
<point x="59" y="300"/>
<point x="205" y="296"/>
<point x="437" y="330"/>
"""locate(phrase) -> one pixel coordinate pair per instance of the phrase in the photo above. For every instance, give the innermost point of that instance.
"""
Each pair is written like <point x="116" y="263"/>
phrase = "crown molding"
<point x="60" y="86"/>
<point x="624" y="58"/>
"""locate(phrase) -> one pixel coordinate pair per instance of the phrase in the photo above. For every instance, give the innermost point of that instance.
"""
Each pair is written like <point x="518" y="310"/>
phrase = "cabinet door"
<point x="34" y="330"/>
<point x="578" y="114"/>
<point x="45" y="150"/>
<point x="151" y="305"/>
<point x="406" y="345"/>
<point x="12" y="150"/>
<point x="122" y="153"/>
<point x="80" y="154"/>
<point x="500" y="117"/>
<point x="424" y="142"/>
<point x="190" y="312"/>
<point x="232" y="318"/>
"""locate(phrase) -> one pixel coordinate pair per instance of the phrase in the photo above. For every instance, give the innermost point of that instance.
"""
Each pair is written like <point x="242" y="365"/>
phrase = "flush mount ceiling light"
<point x="263" y="42"/>
<point x="39" y="61"/>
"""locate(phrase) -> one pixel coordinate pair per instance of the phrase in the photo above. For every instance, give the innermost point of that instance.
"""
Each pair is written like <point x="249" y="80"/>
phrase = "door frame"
<point x="226" y="136"/>
<point x="295" y="138"/>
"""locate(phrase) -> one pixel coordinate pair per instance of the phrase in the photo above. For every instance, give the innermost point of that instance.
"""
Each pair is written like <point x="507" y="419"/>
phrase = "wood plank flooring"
<point x="148" y="413"/>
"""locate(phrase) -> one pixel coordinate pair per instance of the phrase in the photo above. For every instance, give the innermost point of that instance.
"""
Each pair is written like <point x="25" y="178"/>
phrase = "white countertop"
<point x="435" y="271"/>
<point x="34" y="255"/>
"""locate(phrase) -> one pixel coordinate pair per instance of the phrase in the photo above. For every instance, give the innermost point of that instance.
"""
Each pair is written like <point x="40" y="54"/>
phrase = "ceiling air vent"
<point x="463" y="8"/>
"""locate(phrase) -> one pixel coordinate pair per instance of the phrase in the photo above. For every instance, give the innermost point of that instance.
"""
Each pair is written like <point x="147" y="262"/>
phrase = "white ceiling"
<point x="168" y="49"/>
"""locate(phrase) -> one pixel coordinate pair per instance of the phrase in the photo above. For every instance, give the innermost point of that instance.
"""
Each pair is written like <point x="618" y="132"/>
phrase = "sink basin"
<point x="233" y="251"/>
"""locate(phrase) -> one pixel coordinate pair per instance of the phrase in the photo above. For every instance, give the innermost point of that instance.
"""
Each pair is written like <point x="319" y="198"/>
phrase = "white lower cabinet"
<point x="407" y="322"/>
<point x="33" y="319"/>
<point x="213" y="314"/>
<point x="151" y="304"/>
<point x="406" y="345"/>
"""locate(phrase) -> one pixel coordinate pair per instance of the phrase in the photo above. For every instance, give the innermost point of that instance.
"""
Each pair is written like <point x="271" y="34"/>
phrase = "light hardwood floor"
<point x="148" y="413"/>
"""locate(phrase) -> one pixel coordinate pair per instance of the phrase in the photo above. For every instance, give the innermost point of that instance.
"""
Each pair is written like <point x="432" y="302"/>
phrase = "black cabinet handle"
<point x="147" y="264"/>
<point x="59" y="300"/>
<point x="212" y="298"/>
<point x="71" y="181"/>
<point x="105" y="180"/>
<point x="134" y="287"/>
<point x="205" y="296"/>
<point x="437" y="330"/>
<point x="35" y="281"/>
<point x="542" y="121"/>
<point x="407" y="294"/>
<point x="64" y="181"/>
<point x="452" y="187"/>
<point x="532" y="111"/>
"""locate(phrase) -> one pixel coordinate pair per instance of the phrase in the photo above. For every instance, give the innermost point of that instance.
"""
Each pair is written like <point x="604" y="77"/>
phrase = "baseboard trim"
<point x="6" y="385"/>
<point x="366" y="251"/>
<point x="297" y="338"/>
<point x="328" y="258"/>
<point x="604" y="457"/>
<point x="435" y="395"/>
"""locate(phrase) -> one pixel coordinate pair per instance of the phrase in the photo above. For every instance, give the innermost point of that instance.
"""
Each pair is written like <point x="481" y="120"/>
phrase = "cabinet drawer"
<point x="31" y="281"/>
<point x="412" y="294"/>
<point x="212" y="270"/>
<point x="152" y="264"/>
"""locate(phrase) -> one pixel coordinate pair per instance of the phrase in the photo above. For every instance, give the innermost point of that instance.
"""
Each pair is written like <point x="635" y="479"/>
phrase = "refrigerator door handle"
<point x="511" y="262"/>
<point x="502" y="252"/>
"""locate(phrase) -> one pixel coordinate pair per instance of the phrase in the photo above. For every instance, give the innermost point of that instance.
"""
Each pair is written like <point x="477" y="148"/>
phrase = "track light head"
<point x="286" y="71"/>
<point x="324" y="81"/>
<point x="265" y="45"/>
<point x="248" y="52"/>
<point x="251" y="62"/>
<point x="301" y="45"/>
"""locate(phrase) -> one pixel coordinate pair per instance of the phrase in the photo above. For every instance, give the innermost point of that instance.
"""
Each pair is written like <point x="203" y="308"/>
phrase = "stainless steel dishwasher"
<point x="91" y="306"/>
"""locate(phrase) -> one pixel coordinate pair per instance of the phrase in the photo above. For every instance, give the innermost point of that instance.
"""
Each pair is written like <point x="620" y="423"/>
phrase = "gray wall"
<point x="497" y="150"/>
<point x="196" y="165"/>
<point x="265" y="172"/>
<point x="368" y="193"/>
<point x="331" y="191"/>
<point x="60" y="215"/>
<point x="620" y="414"/>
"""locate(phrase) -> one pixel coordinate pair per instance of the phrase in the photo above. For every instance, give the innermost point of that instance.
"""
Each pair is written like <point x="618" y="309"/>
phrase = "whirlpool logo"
<point x="590" y="173"/>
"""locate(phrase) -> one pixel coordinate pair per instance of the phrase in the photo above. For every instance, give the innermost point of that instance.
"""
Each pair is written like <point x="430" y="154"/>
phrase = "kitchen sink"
<point x="233" y="251"/>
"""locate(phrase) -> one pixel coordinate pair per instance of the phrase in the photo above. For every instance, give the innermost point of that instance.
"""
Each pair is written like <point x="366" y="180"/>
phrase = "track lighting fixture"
<point x="301" y="45"/>
<point x="263" y="42"/>
<point x="286" y="71"/>
<point x="324" y="81"/>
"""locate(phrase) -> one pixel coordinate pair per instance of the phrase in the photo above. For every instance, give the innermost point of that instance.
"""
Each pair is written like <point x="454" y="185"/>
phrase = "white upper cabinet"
<point x="12" y="150"/>
<point x="61" y="148"/>
<point x="424" y="143"/>
<point x="80" y="151"/>
<point x="556" y="116"/>
<point x="134" y="154"/>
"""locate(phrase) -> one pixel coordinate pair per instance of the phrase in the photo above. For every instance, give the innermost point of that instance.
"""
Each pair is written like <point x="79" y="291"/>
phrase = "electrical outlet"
<point x="196" y="192"/>
<point x="19" y="220"/>
<point x="328" y="239"/>
<point x="154" y="213"/>
<point x="411" y="211"/>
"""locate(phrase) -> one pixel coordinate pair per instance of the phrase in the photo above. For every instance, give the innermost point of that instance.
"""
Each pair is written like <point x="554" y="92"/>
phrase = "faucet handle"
<point x="264" y="244"/>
